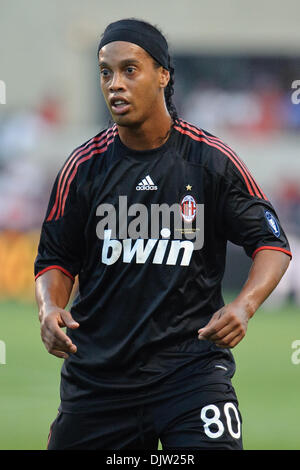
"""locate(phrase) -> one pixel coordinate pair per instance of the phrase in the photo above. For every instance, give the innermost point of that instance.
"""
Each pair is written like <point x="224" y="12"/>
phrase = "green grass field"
<point x="266" y="381"/>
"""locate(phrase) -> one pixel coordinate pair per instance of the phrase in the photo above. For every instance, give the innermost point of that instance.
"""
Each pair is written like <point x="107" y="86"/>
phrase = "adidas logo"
<point x="146" y="185"/>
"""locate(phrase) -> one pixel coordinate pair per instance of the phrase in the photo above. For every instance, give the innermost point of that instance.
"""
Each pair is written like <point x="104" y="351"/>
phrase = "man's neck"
<point x="147" y="136"/>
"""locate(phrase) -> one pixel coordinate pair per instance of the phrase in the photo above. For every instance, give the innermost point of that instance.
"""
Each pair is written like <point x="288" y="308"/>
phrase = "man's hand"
<point x="53" y="289"/>
<point x="227" y="327"/>
<point x="55" y="340"/>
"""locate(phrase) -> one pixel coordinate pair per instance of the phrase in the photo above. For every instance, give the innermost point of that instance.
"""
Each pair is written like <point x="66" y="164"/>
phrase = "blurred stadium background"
<point x="235" y="63"/>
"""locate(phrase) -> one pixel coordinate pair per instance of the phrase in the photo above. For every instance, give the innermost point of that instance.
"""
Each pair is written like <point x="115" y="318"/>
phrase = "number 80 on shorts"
<point x="213" y="426"/>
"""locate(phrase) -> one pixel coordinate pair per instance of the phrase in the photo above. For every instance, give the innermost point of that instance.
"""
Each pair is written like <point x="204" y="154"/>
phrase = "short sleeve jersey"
<point x="146" y="234"/>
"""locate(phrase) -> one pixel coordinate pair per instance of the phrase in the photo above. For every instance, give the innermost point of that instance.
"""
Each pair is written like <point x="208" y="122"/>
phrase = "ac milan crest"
<point x="188" y="208"/>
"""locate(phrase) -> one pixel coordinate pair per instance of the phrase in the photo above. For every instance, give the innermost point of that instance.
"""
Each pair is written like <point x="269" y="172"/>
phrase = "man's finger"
<point x="68" y="320"/>
<point x="52" y="329"/>
<point x="57" y="339"/>
<point x="53" y="345"/>
<point x="60" y="354"/>
<point x="231" y="340"/>
<point x="210" y="329"/>
<point x="217" y="321"/>
<point x="219" y="334"/>
<point x="220" y="319"/>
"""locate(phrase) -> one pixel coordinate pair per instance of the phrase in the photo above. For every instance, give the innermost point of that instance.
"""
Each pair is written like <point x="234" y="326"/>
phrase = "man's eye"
<point x="130" y="70"/>
<point x="104" y="72"/>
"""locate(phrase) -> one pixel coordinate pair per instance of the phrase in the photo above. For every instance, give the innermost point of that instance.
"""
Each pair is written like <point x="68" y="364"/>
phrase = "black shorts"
<point x="181" y="417"/>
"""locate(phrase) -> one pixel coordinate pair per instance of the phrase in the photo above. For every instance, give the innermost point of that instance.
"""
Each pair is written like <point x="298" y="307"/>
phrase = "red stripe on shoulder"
<point x="97" y="151"/>
<point x="258" y="191"/>
<point x="83" y="149"/>
<point x="256" y="188"/>
<point x="202" y="138"/>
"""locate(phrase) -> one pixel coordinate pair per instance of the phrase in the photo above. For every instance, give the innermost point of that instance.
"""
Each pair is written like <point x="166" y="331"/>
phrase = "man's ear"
<point x="164" y="77"/>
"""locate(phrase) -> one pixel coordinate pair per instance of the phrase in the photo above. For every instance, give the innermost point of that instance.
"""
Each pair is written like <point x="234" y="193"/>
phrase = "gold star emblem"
<point x="188" y="187"/>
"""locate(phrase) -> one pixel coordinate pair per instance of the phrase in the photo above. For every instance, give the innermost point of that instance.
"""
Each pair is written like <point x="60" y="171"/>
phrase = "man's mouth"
<point x="119" y="105"/>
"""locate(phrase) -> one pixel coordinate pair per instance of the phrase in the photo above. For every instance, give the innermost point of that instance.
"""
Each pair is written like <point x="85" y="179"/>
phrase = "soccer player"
<point x="142" y="213"/>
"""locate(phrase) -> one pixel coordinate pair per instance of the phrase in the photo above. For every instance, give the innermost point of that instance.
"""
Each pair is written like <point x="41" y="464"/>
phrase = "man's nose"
<point x="116" y="82"/>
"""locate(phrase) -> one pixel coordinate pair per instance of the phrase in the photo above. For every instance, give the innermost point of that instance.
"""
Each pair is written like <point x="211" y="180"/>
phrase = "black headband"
<point x="140" y="33"/>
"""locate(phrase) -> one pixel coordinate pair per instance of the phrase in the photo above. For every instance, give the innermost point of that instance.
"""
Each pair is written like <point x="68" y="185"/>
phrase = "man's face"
<point x="132" y="86"/>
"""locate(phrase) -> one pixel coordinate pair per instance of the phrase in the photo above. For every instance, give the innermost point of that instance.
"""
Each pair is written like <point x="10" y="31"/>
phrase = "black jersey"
<point x="145" y="288"/>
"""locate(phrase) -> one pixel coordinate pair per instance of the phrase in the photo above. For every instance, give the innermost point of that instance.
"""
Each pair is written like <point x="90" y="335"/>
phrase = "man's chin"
<point x="123" y="120"/>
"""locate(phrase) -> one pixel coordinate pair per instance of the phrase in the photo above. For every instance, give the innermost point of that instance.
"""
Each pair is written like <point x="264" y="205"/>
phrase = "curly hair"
<point x="169" y="90"/>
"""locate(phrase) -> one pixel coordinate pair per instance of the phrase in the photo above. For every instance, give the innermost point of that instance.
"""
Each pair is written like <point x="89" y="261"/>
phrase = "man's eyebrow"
<point x="122" y="63"/>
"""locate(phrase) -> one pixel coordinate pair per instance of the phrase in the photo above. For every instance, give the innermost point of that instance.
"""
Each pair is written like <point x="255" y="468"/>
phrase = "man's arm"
<point x="53" y="290"/>
<point x="229" y="324"/>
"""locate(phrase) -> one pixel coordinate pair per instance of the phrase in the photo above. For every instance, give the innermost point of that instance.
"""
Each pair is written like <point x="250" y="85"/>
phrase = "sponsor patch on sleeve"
<point x="273" y="223"/>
